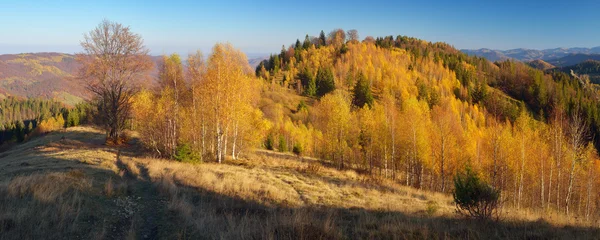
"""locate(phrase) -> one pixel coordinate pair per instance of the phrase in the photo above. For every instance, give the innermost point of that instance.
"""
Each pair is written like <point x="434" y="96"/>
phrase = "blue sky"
<point x="259" y="27"/>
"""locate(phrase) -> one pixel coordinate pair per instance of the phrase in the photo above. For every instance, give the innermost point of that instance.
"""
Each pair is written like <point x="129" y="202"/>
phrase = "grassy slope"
<point x="68" y="185"/>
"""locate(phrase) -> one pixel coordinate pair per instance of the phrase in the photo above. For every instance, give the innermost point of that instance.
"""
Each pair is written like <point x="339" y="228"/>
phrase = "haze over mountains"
<point x="580" y="61"/>
<point x="48" y="76"/>
<point x="527" y="55"/>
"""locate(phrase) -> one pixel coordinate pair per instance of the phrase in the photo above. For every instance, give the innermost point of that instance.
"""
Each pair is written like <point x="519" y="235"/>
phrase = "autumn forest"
<point x="390" y="110"/>
<point x="393" y="107"/>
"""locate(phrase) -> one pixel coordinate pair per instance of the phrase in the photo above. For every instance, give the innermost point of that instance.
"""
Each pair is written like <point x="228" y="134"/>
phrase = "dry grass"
<point x="74" y="187"/>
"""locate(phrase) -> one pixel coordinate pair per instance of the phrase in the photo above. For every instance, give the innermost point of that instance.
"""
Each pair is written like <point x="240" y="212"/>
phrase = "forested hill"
<point x="405" y="67"/>
<point x="406" y="108"/>
<point x="591" y="68"/>
<point x="43" y="75"/>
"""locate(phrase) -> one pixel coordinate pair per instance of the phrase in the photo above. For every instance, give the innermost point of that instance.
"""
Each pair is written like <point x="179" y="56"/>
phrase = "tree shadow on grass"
<point x="205" y="214"/>
<point x="141" y="207"/>
<point x="46" y="194"/>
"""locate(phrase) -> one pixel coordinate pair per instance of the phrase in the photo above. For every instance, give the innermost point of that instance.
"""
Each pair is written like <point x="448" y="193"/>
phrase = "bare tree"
<point x="113" y="61"/>
<point x="352" y="35"/>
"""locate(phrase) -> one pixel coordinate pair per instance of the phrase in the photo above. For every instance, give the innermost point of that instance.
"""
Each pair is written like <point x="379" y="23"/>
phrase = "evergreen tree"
<point x="19" y="131"/>
<point x="259" y="68"/>
<point x="311" y="88"/>
<point x="282" y="144"/>
<point x="276" y="63"/>
<point x="322" y="39"/>
<point x="307" y="43"/>
<point x="73" y="118"/>
<point x="283" y="55"/>
<point x="362" y="92"/>
<point x="325" y="81"/>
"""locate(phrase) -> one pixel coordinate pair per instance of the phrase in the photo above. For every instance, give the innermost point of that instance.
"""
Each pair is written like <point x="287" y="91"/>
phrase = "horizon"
<point x="261" y="28"/>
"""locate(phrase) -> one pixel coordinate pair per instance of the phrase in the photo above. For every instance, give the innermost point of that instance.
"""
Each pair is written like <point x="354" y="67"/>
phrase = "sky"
<point x="262" y="27"/>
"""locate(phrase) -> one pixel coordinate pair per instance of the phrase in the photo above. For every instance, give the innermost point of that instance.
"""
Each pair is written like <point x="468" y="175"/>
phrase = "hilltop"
<point x="67" y="184"/>
<point x="541" y="65"/>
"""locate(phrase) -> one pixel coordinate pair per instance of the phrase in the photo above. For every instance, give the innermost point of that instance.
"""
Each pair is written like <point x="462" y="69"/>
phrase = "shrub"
<point x="473" y="197"/>
<point x="297" y="149"/>
<point x="282" y="144"/>
<point x="432" y="207"/>
<point x="184" y="153"/>
<point x="301" y="106"/>
<point x="269" y="142"/>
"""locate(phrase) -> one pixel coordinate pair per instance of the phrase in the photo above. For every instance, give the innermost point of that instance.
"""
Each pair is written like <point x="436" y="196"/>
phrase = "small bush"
<point x="297" y="149"/>
<point x="473" y="197"/>
<point x="301" y="106"/>
<point x="282" y="144"/>
<point x="432" y="208"/>
<point x="184" y="153"/>
<point x="269" y="142"/>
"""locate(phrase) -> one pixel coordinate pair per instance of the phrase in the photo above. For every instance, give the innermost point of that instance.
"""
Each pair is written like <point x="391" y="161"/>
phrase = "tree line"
<point x="23" y="118"/>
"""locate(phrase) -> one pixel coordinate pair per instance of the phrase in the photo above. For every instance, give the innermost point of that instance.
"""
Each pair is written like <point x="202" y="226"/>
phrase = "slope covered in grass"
<point x="68" y="185"/>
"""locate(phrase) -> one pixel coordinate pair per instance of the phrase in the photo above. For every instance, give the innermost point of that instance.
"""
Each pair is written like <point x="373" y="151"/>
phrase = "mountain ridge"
<point x="49" y="75"/>
<point x="526" y="55"/>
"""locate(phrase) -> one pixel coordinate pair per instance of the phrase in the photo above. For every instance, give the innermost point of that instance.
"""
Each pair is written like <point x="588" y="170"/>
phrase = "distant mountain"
<point x="541" y="65"/>
<point x="492" y="55"/>
<point x="255" y="61"/>
<point x="49" y="76"/>
<point x="527" y="55"/>
<point x="573" y="59"/>
<point x="45" y="75"/>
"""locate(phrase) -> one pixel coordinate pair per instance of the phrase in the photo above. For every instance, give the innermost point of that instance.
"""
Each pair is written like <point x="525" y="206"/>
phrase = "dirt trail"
<point x="150" y="216"/>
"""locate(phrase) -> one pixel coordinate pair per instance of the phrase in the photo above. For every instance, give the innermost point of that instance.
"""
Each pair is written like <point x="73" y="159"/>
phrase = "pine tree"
<point x="362" y="92"/>
<point x="325" y="81"/>
<point x="322" y="39"/>
<point x="307" y="43"/>
<point x="19" y="131"/>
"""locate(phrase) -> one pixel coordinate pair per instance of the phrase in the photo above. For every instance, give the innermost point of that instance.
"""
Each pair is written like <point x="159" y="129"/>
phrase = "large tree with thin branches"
<point x="113" y="62"/>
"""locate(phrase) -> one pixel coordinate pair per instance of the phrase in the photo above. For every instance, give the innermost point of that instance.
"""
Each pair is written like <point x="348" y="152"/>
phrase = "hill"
<point x="588" y="67"/>
<point x="49" y="76"/>
<point x="255" y="61"/>
<point x="526" y="55"/>
<point x="541" y="65"/>
<point x="573" y="59"/>
<point x="41" y="75"/>
<point x="67" y="184"/>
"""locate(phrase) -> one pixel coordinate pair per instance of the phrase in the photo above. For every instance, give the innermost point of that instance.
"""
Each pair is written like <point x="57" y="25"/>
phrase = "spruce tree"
<point x="307" y="43"/>
<point x="325" y="81"/>
<point x="362" y="92"/>
<point x="322" y="39"/>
